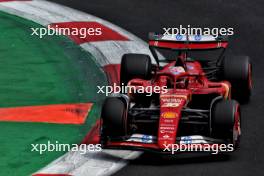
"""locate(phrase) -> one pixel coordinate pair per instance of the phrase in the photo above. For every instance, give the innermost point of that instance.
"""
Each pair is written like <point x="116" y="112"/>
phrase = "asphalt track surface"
<point x="246" y="17"/>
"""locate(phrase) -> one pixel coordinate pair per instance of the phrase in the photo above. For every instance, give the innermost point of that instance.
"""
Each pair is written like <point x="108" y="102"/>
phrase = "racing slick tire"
<point x="114" y="117"/>
<point x="225" y="121"/>
<point x="135" y="66"/>
<point x="238" y="71"/>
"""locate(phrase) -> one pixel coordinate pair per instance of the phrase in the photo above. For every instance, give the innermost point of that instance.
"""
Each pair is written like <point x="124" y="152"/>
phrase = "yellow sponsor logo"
<point x="169" y="115"/>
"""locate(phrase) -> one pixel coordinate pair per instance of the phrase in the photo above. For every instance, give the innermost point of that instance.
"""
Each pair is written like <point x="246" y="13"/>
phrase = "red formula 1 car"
<point x="186" y="98"/>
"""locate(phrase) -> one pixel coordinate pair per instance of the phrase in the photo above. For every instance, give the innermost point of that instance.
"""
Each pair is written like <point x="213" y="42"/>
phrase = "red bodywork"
<point x="172" y="102"/>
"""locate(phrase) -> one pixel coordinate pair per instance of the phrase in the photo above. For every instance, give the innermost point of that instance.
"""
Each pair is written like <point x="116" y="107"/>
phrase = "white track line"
<point x="106" y="162"/>
<point x="44" y="13"/>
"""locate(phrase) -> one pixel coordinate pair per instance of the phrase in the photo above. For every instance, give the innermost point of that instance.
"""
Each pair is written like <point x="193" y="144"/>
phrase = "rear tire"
<point x="225" y="121"/>
<point x="238" y="71"/>
<point x="114" y="118"/>
<point x="135" y="66"/>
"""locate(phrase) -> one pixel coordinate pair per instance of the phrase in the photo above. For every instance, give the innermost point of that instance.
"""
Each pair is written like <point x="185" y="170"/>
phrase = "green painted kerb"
<point x="35" y="71"/>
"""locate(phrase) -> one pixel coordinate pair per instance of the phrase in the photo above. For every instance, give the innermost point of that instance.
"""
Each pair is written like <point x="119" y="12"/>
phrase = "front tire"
<point x="225" y="121"/>
<point x="114" y="117"/>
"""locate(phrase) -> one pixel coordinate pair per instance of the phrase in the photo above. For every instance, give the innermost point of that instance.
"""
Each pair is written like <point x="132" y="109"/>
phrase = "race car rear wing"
<point x="187" y="42"/>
